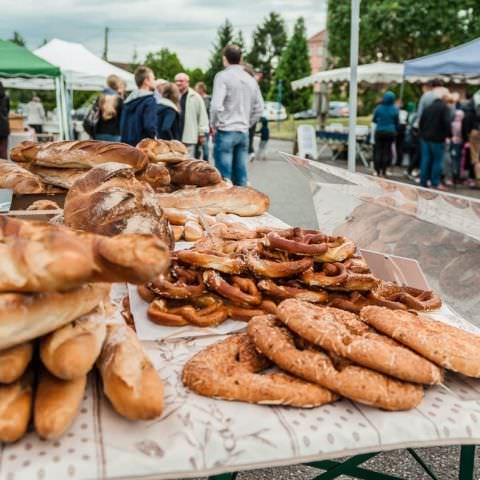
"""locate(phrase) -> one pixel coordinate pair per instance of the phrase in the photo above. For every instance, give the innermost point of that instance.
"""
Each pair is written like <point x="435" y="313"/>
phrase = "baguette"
<point x="24" y="317"/>
<point x="19" y="179"/>
<point x="243" y="201"/>
<point x="79" y="154"/>
<point x="58" y="177"/>
<point x="40" y="257"/>
<point x="56" y="404"/>
<point x="447" y="346"/>
<point x="14" y="361"/>
<point x="71" y="351"/>
<point x="130" y="381"/>
<point x="15" y="408"/>
<point x="156" y="175"/>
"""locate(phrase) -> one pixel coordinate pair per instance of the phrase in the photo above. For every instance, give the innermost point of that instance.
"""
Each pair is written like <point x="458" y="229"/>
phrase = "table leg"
<point x="224" y="476"/>
<point x="467" y="462"/>
<point x="419" y="460"/>
<point x="341" y="468"/>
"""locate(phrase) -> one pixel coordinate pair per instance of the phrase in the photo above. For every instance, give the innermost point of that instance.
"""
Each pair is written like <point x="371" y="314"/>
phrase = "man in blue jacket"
<point x="139" y="114"/>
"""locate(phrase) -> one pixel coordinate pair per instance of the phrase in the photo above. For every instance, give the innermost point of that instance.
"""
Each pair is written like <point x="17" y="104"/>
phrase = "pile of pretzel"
<point x="381" y="358"/>
<point x="240" y="273"/>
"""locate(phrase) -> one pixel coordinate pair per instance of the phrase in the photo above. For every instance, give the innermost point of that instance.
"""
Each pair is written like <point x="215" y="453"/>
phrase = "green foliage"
<point x="225" y="35"/>
<point x="401" y="29"/>
<point x="196" y="75"/>
<point x="239" y="40"/>
<point x="268" y="41"/>
<point x="294" y="64"/>
<point x="18" y="39"/>
<point x="164" y="63"/>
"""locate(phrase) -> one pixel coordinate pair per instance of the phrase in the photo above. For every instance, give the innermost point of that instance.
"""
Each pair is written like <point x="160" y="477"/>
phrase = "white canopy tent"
<point x="82" y="69"/>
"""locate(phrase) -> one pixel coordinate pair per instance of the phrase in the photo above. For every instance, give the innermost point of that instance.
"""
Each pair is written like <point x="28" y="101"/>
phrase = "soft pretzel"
<point x="297" y="241"/>
<point x="283" y="292"/>
<point x="240" y="290"/>
<point x="204" y="311"/>
<point x="351" y="301"/>
<point x="230" y="370"/>
<point x="339" y="249"/>
<point x="306" y="361"/>
<point x="246" y="313"/>
<point x="330" y="274"/>
<point x="214" y="260"/>
<point x="262" y="267"/>
<point x="187" y="284"/>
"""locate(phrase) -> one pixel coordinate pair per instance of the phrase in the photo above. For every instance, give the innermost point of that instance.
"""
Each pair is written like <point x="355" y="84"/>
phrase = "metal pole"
<point x="58" y="97"/>
<point x="352" y="120"/>
<point x="105" y="43"/>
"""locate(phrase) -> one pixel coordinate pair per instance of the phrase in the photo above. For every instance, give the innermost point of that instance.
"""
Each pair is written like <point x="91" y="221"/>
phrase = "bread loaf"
<point x="156" y="175"/>
<point x="19" y="152"/>
<point x="38" y="256"/>
<point x="194" y="172"/>
<point x="79" y="154"/>
<point x="24" y="317"/>
<point x="43" y="205"/>
<point x="58" y="177"/>
<point x="447" y="346"/>
<point x="14" y="361"/>
<point x="71" y="351"/>
<point x="56" y="404"/>
<point x="15" y="408"/>
<point x="130" y="381"/>
<point x="168" y="151"/>
<point x="192" y="231"/>
<point x="109" y="200"/>
<point x="19" y="179"/>
<point x="243" y="201"/>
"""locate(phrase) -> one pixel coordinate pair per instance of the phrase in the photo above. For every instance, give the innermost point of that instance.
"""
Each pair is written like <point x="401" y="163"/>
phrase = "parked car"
<point x="274" y="111"/>
<point x="305" y="114"/>
<point x="338" y="109"/>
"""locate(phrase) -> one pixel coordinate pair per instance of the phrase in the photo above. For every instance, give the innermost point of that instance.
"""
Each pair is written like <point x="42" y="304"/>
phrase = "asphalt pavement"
<point x="291" y="202"/>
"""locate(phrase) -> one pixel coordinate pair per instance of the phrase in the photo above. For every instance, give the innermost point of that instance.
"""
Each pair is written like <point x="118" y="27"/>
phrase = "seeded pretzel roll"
<point x="343" y="334"/>
<point x="448" y="346"/>
<point x="303" y="360"/>
<point x="230" y="370"/>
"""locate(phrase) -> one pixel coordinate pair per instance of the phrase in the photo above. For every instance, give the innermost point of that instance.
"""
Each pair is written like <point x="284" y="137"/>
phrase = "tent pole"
<point x="352" y="120"/>
<point x="59" y="105"/>
<point x="66" y="111"/>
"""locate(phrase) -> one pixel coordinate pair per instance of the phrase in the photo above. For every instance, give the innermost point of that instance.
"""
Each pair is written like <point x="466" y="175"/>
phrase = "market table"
<point x="199" y="436"/>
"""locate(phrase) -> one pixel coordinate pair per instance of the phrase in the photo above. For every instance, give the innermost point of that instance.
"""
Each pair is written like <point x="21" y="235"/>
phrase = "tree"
<point x="225" y="35"/>
<point x="294" y="64"/>
<point x="268" y="41"/>
<point x="196" y="75"/>
<point x="164" y="63"/>
<point x="239" y="40"/>
<point x="401" y="29"/>
<point x="18" y="39"/>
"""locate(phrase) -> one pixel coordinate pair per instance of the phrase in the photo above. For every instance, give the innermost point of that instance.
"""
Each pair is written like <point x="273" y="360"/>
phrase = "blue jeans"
<point x="432" y="162"/>
<point x="107" y="137"/>
<point x="231" y="154"/>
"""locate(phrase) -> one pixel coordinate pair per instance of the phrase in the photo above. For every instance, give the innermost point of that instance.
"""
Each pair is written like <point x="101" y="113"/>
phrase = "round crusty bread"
<point x="14" y="361"/>
<point x="168" y="151"/>
<point x="71" y="351"/>
<point x="57" y="403"/>
<point x="109" y="200"/>
<point x="443" y="344"/>
<point x="156" y="175"/>
<point x="15" y="408"/>
<point x="130" y="380"/>
<point x="357" y="383"/>
<point x="230" y="370"/>
<point x="343" y="334"/>
<point x="25" y="316"/>
<point x="194" y="172"/>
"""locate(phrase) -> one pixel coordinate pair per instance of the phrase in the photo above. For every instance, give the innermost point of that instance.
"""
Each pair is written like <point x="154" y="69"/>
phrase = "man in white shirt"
<point x="236" y="105"/>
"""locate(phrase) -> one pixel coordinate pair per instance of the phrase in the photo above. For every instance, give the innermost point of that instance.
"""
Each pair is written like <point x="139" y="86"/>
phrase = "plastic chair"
<point x="307" y="141"/>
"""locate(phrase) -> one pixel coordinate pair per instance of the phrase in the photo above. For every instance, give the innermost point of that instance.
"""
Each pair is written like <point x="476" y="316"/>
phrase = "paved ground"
<point x="291" y="201"/>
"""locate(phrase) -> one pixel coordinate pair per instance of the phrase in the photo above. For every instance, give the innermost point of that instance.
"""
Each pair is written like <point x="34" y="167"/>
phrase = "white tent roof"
<point x="82" y="69"/>
<point x="378" y="72"/>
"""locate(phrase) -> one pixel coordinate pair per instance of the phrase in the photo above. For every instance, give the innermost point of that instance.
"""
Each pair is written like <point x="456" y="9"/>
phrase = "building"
<point x="316" y="48"/>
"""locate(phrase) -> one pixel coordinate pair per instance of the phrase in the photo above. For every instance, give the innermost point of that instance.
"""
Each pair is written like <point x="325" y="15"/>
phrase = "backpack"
<point x="91" y="119"/>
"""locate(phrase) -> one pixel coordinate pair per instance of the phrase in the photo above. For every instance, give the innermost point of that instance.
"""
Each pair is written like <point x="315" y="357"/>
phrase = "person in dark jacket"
<point x="385" y="117"/>
<point x="139" y="115"/>
<point x="169" y="113"/>
<point x="264" y="137"/>
<point x="4" y="124"/>
<point x="434" y="129"/>
<point x="110" y="104"/>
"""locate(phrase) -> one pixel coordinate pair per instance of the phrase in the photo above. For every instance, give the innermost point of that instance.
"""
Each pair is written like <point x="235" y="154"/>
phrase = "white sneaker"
<point x="251" y="158"/>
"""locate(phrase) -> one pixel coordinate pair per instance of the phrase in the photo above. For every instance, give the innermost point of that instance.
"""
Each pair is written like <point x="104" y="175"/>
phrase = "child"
<point x="264" y="137"/>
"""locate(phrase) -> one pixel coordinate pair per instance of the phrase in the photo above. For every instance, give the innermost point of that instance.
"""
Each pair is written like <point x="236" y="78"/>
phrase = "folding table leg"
<point x="342" y="468"/>
<point x="224" y="476"/>
<point x="467" y="462"/>
<point x="419" y="460"/>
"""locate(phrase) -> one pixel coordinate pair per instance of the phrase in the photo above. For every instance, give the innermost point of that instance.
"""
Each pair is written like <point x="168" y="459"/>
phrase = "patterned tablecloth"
<point x="198" y="436"/>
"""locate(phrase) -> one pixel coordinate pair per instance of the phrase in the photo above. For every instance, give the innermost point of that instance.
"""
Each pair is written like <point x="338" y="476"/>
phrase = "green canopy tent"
<point x="19" y="62"/>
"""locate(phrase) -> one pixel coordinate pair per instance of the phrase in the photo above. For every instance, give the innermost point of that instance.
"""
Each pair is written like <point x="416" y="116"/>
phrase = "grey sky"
<point x="185" y="26"/>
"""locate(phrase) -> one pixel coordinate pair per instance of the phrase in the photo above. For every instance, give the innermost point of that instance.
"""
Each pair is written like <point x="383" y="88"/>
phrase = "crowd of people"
<point x="176" y="111"/>
<point x="441" y="138"/>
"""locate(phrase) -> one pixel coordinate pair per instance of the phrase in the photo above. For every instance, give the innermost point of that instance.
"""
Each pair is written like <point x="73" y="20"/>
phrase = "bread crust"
<point x="130" y="380"/>
<point x="58" y="177"/>
<point x="19" y="179"/>
<point x="168" y="151"/>
<point x="357" y="383"/>
<point x="343" y="334"/>
<point x="156" y="175"/>
<point x="229" y="370"/>
<point x="443" y="344"/>
<point x="57" y="403"/>
<point x="194" y="172"/>
<point x="14" y="362"/>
